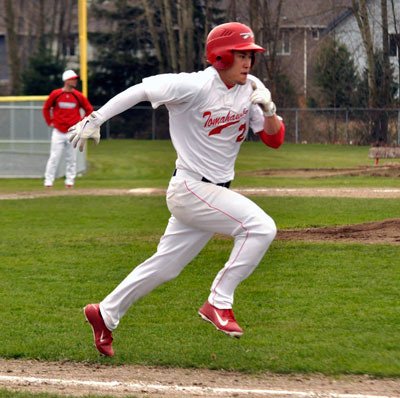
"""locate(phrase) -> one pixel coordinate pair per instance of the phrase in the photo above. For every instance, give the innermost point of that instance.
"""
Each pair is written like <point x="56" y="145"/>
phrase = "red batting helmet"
<point x="224" y="39"/>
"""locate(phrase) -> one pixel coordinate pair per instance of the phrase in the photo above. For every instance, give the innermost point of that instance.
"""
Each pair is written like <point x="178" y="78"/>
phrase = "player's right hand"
<point x="87" y="128"/>
<point x="262" y="96"/>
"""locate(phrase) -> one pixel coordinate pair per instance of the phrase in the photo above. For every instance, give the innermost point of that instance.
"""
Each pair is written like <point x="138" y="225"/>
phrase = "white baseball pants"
<point x="199" y="210"/>
<point x="59" y="145"/>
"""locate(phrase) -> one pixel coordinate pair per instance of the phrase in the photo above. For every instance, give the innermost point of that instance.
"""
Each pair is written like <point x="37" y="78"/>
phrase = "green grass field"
<point x="309" y="307"/>
<point x="131" y="164"/>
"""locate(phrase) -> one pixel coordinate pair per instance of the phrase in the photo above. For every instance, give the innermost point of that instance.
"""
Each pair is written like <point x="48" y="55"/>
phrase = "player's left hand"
<point x="87" y="128"/>
<point x="262" y="97"/>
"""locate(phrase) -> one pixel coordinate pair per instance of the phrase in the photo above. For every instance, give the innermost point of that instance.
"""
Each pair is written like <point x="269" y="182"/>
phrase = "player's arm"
<point x="89" y="127"/>
<point x="46" y="110"/>
<point x="277" y="137"/>
<point x="273" y="134"/>
<point x="86" y="105"/>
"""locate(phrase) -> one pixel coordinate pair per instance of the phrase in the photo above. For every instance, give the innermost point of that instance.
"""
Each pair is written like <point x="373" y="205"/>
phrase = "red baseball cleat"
<point x="102" y="336"/>
<point x="223" y="320"/>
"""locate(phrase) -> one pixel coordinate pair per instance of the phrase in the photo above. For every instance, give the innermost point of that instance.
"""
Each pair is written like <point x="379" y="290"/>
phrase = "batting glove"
<point x="87" y="128"/>
<point x="262" y="97"/>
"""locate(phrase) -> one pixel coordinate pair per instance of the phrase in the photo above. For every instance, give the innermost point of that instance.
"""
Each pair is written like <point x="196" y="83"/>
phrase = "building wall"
<point x="298" y="65"/>
<point x="349" y="34"/>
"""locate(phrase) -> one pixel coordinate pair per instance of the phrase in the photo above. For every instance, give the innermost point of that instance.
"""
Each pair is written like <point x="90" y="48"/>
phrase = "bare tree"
<point x="208" y="18"/>
<point x="232" y="10"/>
<point x="397" y="35"/>
<point x="63" y="30"/>
<point x="385" y="47"/>
<point x="361" y="15"/>
<point x="149" y="13"/>
<point x="378" y="96"/>
<point x="265" y="22"/>
<point x="170" y="34"/>
<point x="382" y="134"/>
<point x="12" y="45"/>
<point x="173" y="35"/>
<point x="189" y="37"/>
<point x="185" y="34"/>
<point x="29" y="25"/>
<point x="254" y="15"/>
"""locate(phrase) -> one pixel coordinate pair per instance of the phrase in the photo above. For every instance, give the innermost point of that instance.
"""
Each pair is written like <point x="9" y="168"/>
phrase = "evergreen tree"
<point x="123" y="54"/>
<point x="336" y="75"/>
<point x="382" y="101"/>
<point x="379" y="132"/>
<point x="285" y="96"/>
<point x="43" y="73"/>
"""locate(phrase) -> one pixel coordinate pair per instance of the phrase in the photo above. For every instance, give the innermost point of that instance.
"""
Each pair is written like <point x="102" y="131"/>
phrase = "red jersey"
<point x="62" y="108"/>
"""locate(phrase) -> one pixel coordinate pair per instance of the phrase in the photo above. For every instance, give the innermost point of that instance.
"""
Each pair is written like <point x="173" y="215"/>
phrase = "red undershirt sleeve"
<point x="46" y="108"/>
<point x="273" y="140"/>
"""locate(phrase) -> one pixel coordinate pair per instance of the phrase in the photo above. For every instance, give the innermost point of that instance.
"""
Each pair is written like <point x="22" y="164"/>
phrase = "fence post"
<point x="31" y="125"/>
<point x="12" y="127"/>
<point x="153" y="124"/>
<point x="296" y="129"/>
<point x="346" y="126"/>
<point x="398" y="127"/>
<point x="108" y="129"/>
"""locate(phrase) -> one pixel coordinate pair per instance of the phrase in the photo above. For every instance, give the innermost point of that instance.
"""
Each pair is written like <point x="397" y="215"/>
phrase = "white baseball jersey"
<point x="208" y="121"/>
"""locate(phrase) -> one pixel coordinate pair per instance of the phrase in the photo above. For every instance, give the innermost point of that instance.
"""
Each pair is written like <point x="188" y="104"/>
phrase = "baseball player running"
<point x="210" y="113"/>
<point x="61" y="110"/>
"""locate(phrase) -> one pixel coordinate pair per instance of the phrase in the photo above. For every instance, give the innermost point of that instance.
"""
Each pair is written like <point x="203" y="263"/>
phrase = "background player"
<point x="61" y="111"/>
<point x="210" y="113"/>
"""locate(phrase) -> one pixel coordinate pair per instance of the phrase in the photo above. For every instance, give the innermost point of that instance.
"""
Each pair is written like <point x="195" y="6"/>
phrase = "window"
<point x="394" y="44"/>
<point x="3" y="56"/>
<point x="315" y="34"/>
<point x="68" y="46"/>
<point x="284" y="43"/>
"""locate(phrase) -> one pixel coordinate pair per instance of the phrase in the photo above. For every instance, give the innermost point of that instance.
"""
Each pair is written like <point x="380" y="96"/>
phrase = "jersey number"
<point x="239" y="138"/>
<point x="242" y="129"/>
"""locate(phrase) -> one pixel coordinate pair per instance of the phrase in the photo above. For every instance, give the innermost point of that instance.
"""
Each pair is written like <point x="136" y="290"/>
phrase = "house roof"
<point x="311" y="13"/>
<point x="339" y="19"/>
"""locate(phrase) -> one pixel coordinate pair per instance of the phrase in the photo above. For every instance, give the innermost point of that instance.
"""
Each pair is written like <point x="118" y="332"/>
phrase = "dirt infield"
<point x="304" y="192"/>
<point x="80" y="379"/>
<point x="387" y="170"/>
<point x="385" y="232"/>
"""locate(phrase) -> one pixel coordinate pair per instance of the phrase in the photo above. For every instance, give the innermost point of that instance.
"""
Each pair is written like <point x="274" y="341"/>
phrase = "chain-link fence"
<point x="25" y="138"/>
<point x="25" y="141"/>
<point x="319" y="125"/>
<point x="357" y="126"/>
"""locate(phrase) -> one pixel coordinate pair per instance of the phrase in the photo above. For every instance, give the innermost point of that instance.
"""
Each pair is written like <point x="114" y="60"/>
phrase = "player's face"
<point x="237" y="73"/>
<point x="71" y="83"/>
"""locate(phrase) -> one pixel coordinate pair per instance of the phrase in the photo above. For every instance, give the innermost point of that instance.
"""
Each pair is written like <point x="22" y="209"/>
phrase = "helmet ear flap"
<point x="223" y="60"/>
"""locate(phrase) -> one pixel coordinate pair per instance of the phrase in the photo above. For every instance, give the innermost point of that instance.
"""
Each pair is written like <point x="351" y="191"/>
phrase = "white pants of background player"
<point x="59" y="145"/>
<point x="199" y="210"/>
